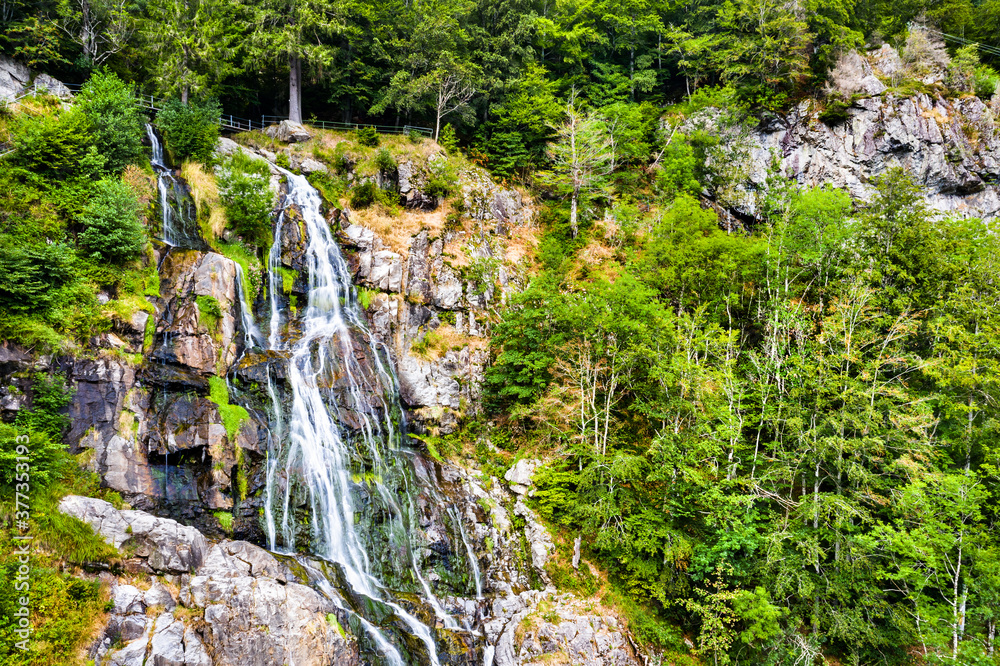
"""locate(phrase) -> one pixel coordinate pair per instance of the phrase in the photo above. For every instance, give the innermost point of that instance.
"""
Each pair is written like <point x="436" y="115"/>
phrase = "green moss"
<point x="225" y="520"/>
<point x="211" y="313"/>
<point x="147" y="339"/>
<point x="232" y="415"/>
<point x="331" y="619"/>
<point x="288" y="278"/>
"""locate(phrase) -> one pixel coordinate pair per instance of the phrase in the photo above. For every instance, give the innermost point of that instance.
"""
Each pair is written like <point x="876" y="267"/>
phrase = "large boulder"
<point x="288" y="131"/>
<point x="164" y="544"/>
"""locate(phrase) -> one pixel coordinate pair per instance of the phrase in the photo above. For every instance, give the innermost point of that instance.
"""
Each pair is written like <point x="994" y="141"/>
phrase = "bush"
<point x="111" y="109"/>
<point x="985" y="82"/>
<point x="243" y="187"/>
<point x="49" y="397"/>
<point x="191" y="131"/>
<point x="31" y="275"/>
<point x="112" y="230"/>
<point x="448" y="139"/>
<point x="368" y="136"/>
<point x="47" y="457"/>
<point x="364" y="195"/>
<point x="384" y="161"/>
<point x="57" y="147"/>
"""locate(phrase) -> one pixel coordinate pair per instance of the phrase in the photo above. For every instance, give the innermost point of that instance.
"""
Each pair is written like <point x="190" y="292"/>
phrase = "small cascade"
<point x="349" y="478"/>
<point x="456" y="519"/>
<point x="251" y="334"/>
<point x="177" y="210"/>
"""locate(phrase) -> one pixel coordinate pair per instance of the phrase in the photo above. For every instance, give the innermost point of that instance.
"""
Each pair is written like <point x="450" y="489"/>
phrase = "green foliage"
<point x="112" y="229"/>
<point x="448" y="138"/>
<point x="384" y="161"/>
<point x="108" y="103"/>
<point x="232" y="415"/>
<point x="835" y="112"/>
<point x="210" y="312"/>
<point x="246" y="195"/>
<point x="368" y="136"/>
<point x="57" y="147"/>
<point x="49" y="397"/>
<point x="46" y="456"/>
<point x="367" y="194"/>
<point x="190" y="131"/>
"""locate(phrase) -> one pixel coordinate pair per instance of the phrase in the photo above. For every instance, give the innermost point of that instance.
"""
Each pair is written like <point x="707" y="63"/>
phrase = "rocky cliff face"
<point x="945" y="137"/>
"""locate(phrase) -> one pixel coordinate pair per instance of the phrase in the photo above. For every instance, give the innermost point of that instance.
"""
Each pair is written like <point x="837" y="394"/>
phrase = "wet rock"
<point x="288" y="131"/>
<point x="254" y="618"/>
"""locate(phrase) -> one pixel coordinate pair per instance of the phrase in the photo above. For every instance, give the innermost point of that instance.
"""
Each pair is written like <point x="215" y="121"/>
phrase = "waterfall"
<point x="251" y="334"/>
<point x="456" y="518"/>
<point x="179" y="228"/>
<point x="336" y="372"/>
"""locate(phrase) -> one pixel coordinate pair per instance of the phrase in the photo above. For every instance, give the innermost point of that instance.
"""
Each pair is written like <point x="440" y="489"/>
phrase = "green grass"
<point x="248" y="261"/>
<point x="225" y="520"/>
<point x="232" y="415"/>
<point x="211" y="313"/>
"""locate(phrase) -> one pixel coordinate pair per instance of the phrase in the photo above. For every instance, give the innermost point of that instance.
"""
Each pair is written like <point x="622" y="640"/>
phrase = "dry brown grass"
<point x="523" y="243"/>
<point x="444" y="339"/>
<point x="205" y="192"/>
<point x="397" y="231"/>
<point x="140" y="182"/>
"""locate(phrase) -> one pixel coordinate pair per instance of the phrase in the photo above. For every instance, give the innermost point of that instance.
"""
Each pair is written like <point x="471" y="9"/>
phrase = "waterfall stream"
<point x="337" y="448"/>
<point x="179" y="219"/>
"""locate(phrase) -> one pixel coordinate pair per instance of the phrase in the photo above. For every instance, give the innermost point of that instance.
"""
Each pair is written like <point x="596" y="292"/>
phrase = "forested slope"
<point x="711" y="289"/>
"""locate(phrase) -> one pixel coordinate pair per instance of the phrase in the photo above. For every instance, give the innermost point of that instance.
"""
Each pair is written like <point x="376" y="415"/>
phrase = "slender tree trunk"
<point x="295" y="88"/>
<point x="572" y="214"/>
<point x="87" y="32"/>
<point x="437" y="122"/>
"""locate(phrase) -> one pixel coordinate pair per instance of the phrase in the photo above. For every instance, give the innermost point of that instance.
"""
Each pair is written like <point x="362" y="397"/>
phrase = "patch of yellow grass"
<point x="444" y="339"/>
<point x="397" y="231"/>
<point x="523" y="243"/>
<point x="205" y="192"/>
<point x="140" y="182"/>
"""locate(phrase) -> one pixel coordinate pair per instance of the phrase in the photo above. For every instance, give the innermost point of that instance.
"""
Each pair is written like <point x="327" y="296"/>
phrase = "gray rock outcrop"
<point x="288" y="131"/>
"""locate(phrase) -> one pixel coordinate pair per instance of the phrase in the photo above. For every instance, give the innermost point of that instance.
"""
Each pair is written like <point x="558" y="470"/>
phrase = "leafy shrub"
<point x="448" y="139"/>
<point x="414" y="136"/>
<point x="49" y="396"/>
<point x="56" y="147"/>
<point x="384" y="161"/>
<point x="243" y="187"/>
<point x="281" y="159"/>
<point x="985" y="82"/>
<point x="32" y="275"/>
<point x="112" y="230"/>
<point x="110" y="107"/>
<point x="368" y="136"/>
<point x="364" y="195"/>
<point x="191" y="131"/>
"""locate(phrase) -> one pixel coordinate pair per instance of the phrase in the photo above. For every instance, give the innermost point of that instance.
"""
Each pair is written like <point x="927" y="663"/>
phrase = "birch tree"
<point x="582" y="159"/>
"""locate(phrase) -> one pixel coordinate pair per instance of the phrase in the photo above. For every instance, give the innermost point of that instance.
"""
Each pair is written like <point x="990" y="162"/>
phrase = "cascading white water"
<point x="173" y="197"/>
<point x="456" y="518"/>
<point x="252" y="334"/>
<point x="315" y="448"/>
